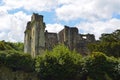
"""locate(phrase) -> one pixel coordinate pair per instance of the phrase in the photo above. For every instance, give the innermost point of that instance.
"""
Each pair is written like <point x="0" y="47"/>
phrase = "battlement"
<point x="37" y="17"/>
<point x="72" y="28"/>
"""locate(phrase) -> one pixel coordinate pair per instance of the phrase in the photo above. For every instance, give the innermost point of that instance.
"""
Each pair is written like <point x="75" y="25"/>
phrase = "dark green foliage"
<point x="59" y="64"/>
<point x="2" y="46"/>
<point x="100" y="67"/>
<point x="95" y="65"/>
<point x="2" y="58"/>
<point x="11" y="46"/>
<point x="113" y="67"/>
<point x="16" y="46"/>
<point x="110" y="49"/>
<point x="17" y="60"/>
<point x="108" y="44"/>
<point x="113" y="37"/>
<point x="63" y="64"/>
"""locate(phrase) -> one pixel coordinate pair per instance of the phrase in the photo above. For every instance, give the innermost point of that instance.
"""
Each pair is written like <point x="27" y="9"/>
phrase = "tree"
<point x="59" y="64"/>
<point x="17" y="60"/>
<point x="98" y="66"/>
<point x="112" y="37"/>
<point x="18" y="46"/>
<point x="108" y="44"/>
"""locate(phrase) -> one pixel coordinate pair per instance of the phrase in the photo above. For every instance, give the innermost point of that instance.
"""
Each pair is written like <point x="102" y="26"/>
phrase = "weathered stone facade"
<point x="34" y="41"/>
<point x="37" y="40"/>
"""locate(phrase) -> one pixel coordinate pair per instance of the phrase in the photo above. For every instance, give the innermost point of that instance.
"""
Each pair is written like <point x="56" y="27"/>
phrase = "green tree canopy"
<point x="59" y="64"/>
<point x="108" y="44"/>
<point x="18" y="46"/>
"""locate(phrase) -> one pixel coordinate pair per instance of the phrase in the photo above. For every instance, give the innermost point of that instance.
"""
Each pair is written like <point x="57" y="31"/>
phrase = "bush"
<point x="59" y="64"/>
<point x="11" y="46"/>
<point x="2" y="58"/>
<point x="100" y="67"/>
<point x="113" y="68"/>
<point x="17" y="60"/>
<point x="94" y="65"/>
<point x="2" y="46"/>
<point x="63" y="64"/>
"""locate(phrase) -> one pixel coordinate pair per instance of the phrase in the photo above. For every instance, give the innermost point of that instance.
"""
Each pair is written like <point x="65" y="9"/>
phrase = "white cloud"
<point x="91" y="10"/>
<point x="65" y="1"/>
<point x="12" y="26"/>
<point x="54" y="27"/>
<point x="4" y="22"/>
<point x="99" y="27"/>
<point x="30" y="5"/>
<point x="3" y="36"/>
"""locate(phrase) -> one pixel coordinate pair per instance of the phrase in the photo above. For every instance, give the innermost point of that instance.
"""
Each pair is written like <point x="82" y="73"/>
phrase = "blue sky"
<point x="89" y="16"/>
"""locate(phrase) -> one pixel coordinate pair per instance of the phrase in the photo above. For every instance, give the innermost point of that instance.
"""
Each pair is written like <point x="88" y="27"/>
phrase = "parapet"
<point x="37" y="17"/>
<point x="71" y="29"/>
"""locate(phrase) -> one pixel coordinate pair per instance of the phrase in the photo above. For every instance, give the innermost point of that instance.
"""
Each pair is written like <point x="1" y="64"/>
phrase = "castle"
<point x="37" y="40"/>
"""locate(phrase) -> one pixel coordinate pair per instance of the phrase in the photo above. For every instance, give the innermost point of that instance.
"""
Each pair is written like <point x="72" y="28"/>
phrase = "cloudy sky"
<point x="89" y="16"/>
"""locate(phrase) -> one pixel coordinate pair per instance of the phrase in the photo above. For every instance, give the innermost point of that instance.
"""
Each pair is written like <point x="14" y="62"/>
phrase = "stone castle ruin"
<point x="37" y="40"/>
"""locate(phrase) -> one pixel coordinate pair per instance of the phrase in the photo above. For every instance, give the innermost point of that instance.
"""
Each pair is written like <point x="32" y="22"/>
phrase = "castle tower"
<point x="36" y="43"/>
<point x="68" y="36"/>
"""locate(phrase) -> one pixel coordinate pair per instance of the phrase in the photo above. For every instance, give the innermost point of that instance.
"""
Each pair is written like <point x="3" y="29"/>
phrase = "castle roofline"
<point x="86" y="34"/>
<point x="36" y="14"/>
<point x="70" y="27"/>
<point x="51" y="33"/>
<point x="37" y="17"/>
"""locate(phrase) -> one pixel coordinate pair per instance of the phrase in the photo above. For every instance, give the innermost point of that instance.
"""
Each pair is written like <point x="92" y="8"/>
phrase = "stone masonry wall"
<point x="37" y="40"/>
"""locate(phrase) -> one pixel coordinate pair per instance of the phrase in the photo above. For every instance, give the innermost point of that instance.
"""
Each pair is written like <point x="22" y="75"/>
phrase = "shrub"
<point x="63" y="64"/>
<point x="113" y="67"/>
<point x="17" y="60"/>
<point x="100" y="67"/>
<point x="20" y="61"/>
<point x="59" y="64"/>
<point x="94" y="65"/>
<point x="2" y="58"/>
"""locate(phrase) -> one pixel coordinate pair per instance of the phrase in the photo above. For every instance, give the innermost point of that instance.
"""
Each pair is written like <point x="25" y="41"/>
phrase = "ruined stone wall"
<point x="51" y="40"/>
<point x="90" y="38"/>
<point x="37" y="40"/>
<point x="8" y="74"/>
<point x="35" y="43"/>
<point x="41" y="34"/>
<point x="61" y="36"/>
<point x="33" y="29"/>
<point x="27" y="40"/>
<point x="68" y="36"/>
<point x="73" y="38"/>
<point x="83" y="41"/>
